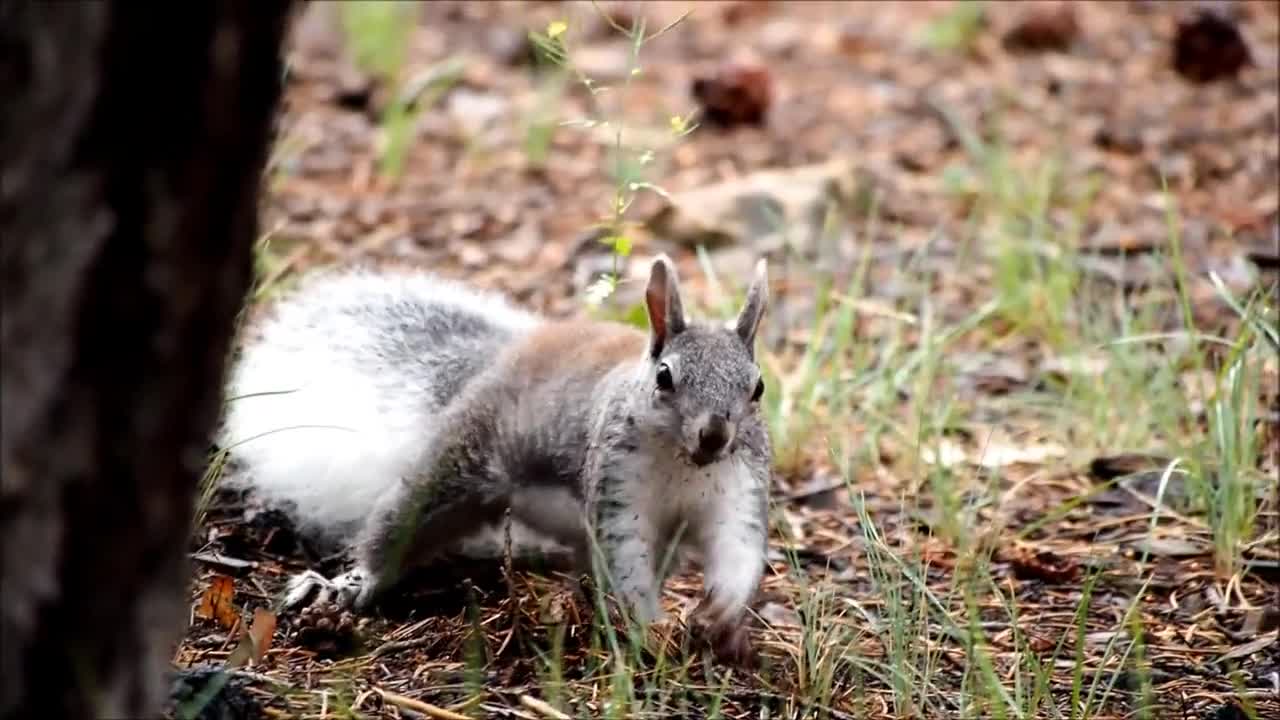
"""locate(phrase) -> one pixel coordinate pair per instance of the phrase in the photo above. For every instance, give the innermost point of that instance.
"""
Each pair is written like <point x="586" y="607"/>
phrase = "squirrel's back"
<point x="332" y="400"/>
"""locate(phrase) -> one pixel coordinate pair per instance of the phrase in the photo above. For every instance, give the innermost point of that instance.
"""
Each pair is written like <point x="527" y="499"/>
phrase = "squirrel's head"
<point x="704" y="382"/>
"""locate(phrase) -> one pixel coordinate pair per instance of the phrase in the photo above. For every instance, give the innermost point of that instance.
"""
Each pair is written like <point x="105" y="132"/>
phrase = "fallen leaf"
<point x="737" y="12"/>
<point x="216" y="603"/>
<point x="779" y="615"/>
<point x="1208" y="47"/>
<point x="542" y="707"/>
<point x="242" y="653"/>
<point x="261" y="632"/>
<point x="1044" y="26"/>
<point x="1265" y="260"/>
<point x="1251" y="647"/>
<point x="1260" y="620"/>
<point x="1108" y="467"/>
<point x="1171" y="547"/>
<point x="1066" y="366"/>
<point x="354" y="88"/>
<point x="949" y="453"/>
<point x="737" y="93"/>
<point x="520" y="247"/>
<point x="997" y="455"/>
<point x="1030" y="563"/>
<point x="1121" y="135"/>
<point x="755" y="207"/>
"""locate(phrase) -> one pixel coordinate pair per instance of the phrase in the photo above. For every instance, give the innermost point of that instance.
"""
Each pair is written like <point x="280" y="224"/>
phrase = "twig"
<point x="805" y="494"/>
<point x="396" y="646"/>
<point x="214" y="558"/>
<point x="540" y="706"/>
<point x="432" y="711"/>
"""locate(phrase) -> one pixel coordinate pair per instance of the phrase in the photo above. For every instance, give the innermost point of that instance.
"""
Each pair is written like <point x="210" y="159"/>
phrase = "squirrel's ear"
<point x="662" y="298"/>
<point x="753" y="309"/>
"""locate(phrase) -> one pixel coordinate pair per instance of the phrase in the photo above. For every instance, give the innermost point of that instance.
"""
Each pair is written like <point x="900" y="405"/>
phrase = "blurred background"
<point x="440" y="134"/>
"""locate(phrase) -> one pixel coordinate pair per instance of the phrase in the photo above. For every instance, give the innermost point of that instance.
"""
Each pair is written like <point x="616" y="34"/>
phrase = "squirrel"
<point x="405" y="414"/>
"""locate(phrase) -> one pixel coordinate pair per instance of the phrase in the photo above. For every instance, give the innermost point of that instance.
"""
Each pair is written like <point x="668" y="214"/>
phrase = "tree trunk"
<point x="133" y="138"/>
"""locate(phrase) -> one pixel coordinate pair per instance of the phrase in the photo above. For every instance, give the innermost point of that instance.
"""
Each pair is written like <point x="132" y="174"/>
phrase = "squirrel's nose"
<point x="714" y="436"/>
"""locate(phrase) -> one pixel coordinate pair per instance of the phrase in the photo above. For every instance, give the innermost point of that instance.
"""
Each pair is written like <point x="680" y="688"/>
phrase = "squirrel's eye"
<point x="759" y="392"/>
<point x="665" y="382"/>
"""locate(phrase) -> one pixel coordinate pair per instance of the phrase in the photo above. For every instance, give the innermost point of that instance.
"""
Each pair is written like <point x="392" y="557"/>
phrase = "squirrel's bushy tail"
<point x="332" y="401"/>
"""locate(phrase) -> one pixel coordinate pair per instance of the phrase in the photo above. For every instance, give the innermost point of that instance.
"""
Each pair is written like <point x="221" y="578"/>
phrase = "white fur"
<point x="715" y="503"/>
<point x="346" y="428"/>
<point x="733" y="556"/>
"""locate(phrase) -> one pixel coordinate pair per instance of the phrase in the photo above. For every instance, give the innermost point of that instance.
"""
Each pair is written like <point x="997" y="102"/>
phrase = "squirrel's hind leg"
<point x="346" y="586"/>
<point x="457" y="492"/>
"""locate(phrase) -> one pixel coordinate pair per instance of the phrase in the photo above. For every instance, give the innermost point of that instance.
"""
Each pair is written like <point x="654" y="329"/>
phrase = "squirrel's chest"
<point x="670" y="491"/>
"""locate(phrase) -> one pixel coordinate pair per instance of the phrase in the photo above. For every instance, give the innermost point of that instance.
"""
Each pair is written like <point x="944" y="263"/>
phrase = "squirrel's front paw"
<point x="731" y="643"/>
<point x="662" y="636"/>
<point x="350" y="590"/>
<point x="728" y="638"/>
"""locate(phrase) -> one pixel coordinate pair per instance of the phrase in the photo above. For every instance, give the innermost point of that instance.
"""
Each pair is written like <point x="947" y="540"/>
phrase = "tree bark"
<point x="132" y="141"/>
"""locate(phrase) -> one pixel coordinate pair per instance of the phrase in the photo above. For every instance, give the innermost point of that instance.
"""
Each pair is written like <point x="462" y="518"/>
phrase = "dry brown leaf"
<point x="996" y="452"/>
<point x="1254" y="646"/>
<point x="1044" y="26"/>
<point x="1209" y="47"/>
<point x="1108" y="467"/>
<point x="216" y="603"/>
<point x="243" y="652"/>
<point x="1029" y="563"/>
<point x="752" y="208"/>
<point x="261" y="632"/>
<point x="738" y="93"/>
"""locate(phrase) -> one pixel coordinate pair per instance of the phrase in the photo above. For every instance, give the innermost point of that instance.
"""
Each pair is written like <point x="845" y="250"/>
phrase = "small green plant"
<point x="628" y="162"/>
<point x="378" y="34"/>
<point x="957" y="29"/>
<point x="1232" y="485"/>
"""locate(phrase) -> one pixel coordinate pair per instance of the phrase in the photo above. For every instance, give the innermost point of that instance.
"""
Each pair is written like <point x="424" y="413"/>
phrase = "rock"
<point x="370" y="211"/>
<point x="318" y="34"/>
<point x="298" y="206"/>
<point x="334" y="206"/>
<point x="475" y="111"/>
<point x="1120" y="136"/>
<point x="736" y="93"/>
<point x="1208" y="47"/>
<point x="323" y="159"/>
<point x="781" y="37"/>
<point x="920" y="147"/>
<point x="353" y="87"/>
<point x="603" y="62"/>
<point x="470" y="254"/>
<point x="778" y="615"/>
<point x="510" y="46"/>
<point x="754" y="209"/>
<point x="1171" y="547"/>
<point x="520" y="247"/>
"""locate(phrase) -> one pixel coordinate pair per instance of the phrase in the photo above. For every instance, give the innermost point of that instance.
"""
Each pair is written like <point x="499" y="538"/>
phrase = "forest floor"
<point x="1021" y="359"/>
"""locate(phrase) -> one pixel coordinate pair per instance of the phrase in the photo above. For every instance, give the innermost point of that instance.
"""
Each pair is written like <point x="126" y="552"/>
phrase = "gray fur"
<point x="577" y="440"/>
